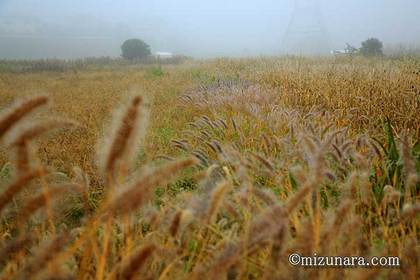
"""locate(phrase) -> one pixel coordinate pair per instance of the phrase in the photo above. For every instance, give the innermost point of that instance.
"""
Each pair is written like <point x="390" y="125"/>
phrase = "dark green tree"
<point x="371" y="47"/>
<point x="135" y="49"/>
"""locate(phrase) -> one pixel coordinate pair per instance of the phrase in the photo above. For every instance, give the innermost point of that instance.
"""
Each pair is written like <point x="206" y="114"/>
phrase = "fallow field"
<point x="216" y="169"/>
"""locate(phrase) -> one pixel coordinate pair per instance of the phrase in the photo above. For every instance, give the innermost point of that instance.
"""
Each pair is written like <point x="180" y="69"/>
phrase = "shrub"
<point x="372" y="47"/>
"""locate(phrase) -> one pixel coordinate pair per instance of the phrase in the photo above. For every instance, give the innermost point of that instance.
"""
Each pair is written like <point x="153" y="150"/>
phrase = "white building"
<point x="163" y="55"/>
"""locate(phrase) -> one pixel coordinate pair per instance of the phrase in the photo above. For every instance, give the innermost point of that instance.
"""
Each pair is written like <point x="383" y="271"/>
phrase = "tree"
<point x="135" y="49"/>
<point x="372" y="47"/>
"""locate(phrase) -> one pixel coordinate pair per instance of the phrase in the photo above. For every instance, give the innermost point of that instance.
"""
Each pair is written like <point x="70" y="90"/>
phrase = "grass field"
<point x="214" y="169"/>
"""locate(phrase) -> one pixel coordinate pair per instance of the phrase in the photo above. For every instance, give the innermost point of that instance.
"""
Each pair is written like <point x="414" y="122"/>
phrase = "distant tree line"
<point x="90" y="63"/>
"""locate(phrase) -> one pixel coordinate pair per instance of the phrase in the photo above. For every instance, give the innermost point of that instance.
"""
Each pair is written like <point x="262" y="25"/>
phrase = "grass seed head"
<point x="18" y="111"/>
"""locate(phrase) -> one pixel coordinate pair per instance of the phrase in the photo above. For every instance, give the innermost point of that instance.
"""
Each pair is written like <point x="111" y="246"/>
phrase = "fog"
<point x="83" y="28"/>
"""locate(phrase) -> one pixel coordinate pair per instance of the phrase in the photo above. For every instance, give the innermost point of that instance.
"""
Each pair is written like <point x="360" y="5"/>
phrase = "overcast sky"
<point x="79" y="28"/>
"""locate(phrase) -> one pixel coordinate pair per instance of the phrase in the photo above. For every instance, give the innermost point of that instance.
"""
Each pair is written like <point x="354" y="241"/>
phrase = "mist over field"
<point x="181" y="139"/>
<point x="74" y="29"/>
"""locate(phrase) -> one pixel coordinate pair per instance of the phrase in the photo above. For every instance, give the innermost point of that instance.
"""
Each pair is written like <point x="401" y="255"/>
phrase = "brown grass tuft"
<point x="44" y="255"/>
<point x="140" y="191"/>
<point x="21" y="140"/>
<point x="13" y="247"/>
<point x="39" y="201"/>
<point x="176" y="221"/>
<point x="15" y="187"/>
<point x="135" y="263"/>
<point x="124" y="136"/>
<point x="18" y="111"/>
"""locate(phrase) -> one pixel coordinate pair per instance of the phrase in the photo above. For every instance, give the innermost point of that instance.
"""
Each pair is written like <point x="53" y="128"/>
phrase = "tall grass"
<point x="244" y="163"/>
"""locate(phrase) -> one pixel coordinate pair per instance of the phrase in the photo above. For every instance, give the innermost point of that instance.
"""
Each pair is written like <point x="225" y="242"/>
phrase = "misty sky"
<point x="80" y="28"/>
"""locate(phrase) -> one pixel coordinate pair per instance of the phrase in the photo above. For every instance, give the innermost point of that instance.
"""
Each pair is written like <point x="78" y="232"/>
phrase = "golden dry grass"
<point x="243" y="163"/>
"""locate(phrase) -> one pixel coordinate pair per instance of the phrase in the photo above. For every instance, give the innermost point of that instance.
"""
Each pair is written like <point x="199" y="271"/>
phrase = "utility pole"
<point x="306" y="33"/>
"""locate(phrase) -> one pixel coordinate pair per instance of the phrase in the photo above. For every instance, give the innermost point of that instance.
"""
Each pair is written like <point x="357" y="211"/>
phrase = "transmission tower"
<point x="306" y="34"/>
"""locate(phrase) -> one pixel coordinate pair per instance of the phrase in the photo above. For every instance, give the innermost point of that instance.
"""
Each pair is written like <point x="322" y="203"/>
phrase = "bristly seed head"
<point x="119" y="149"/>
<point x="16" y="113"/>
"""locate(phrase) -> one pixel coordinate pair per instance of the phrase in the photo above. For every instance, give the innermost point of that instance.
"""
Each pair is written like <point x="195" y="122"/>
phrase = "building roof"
<point x="163" y="53"/>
